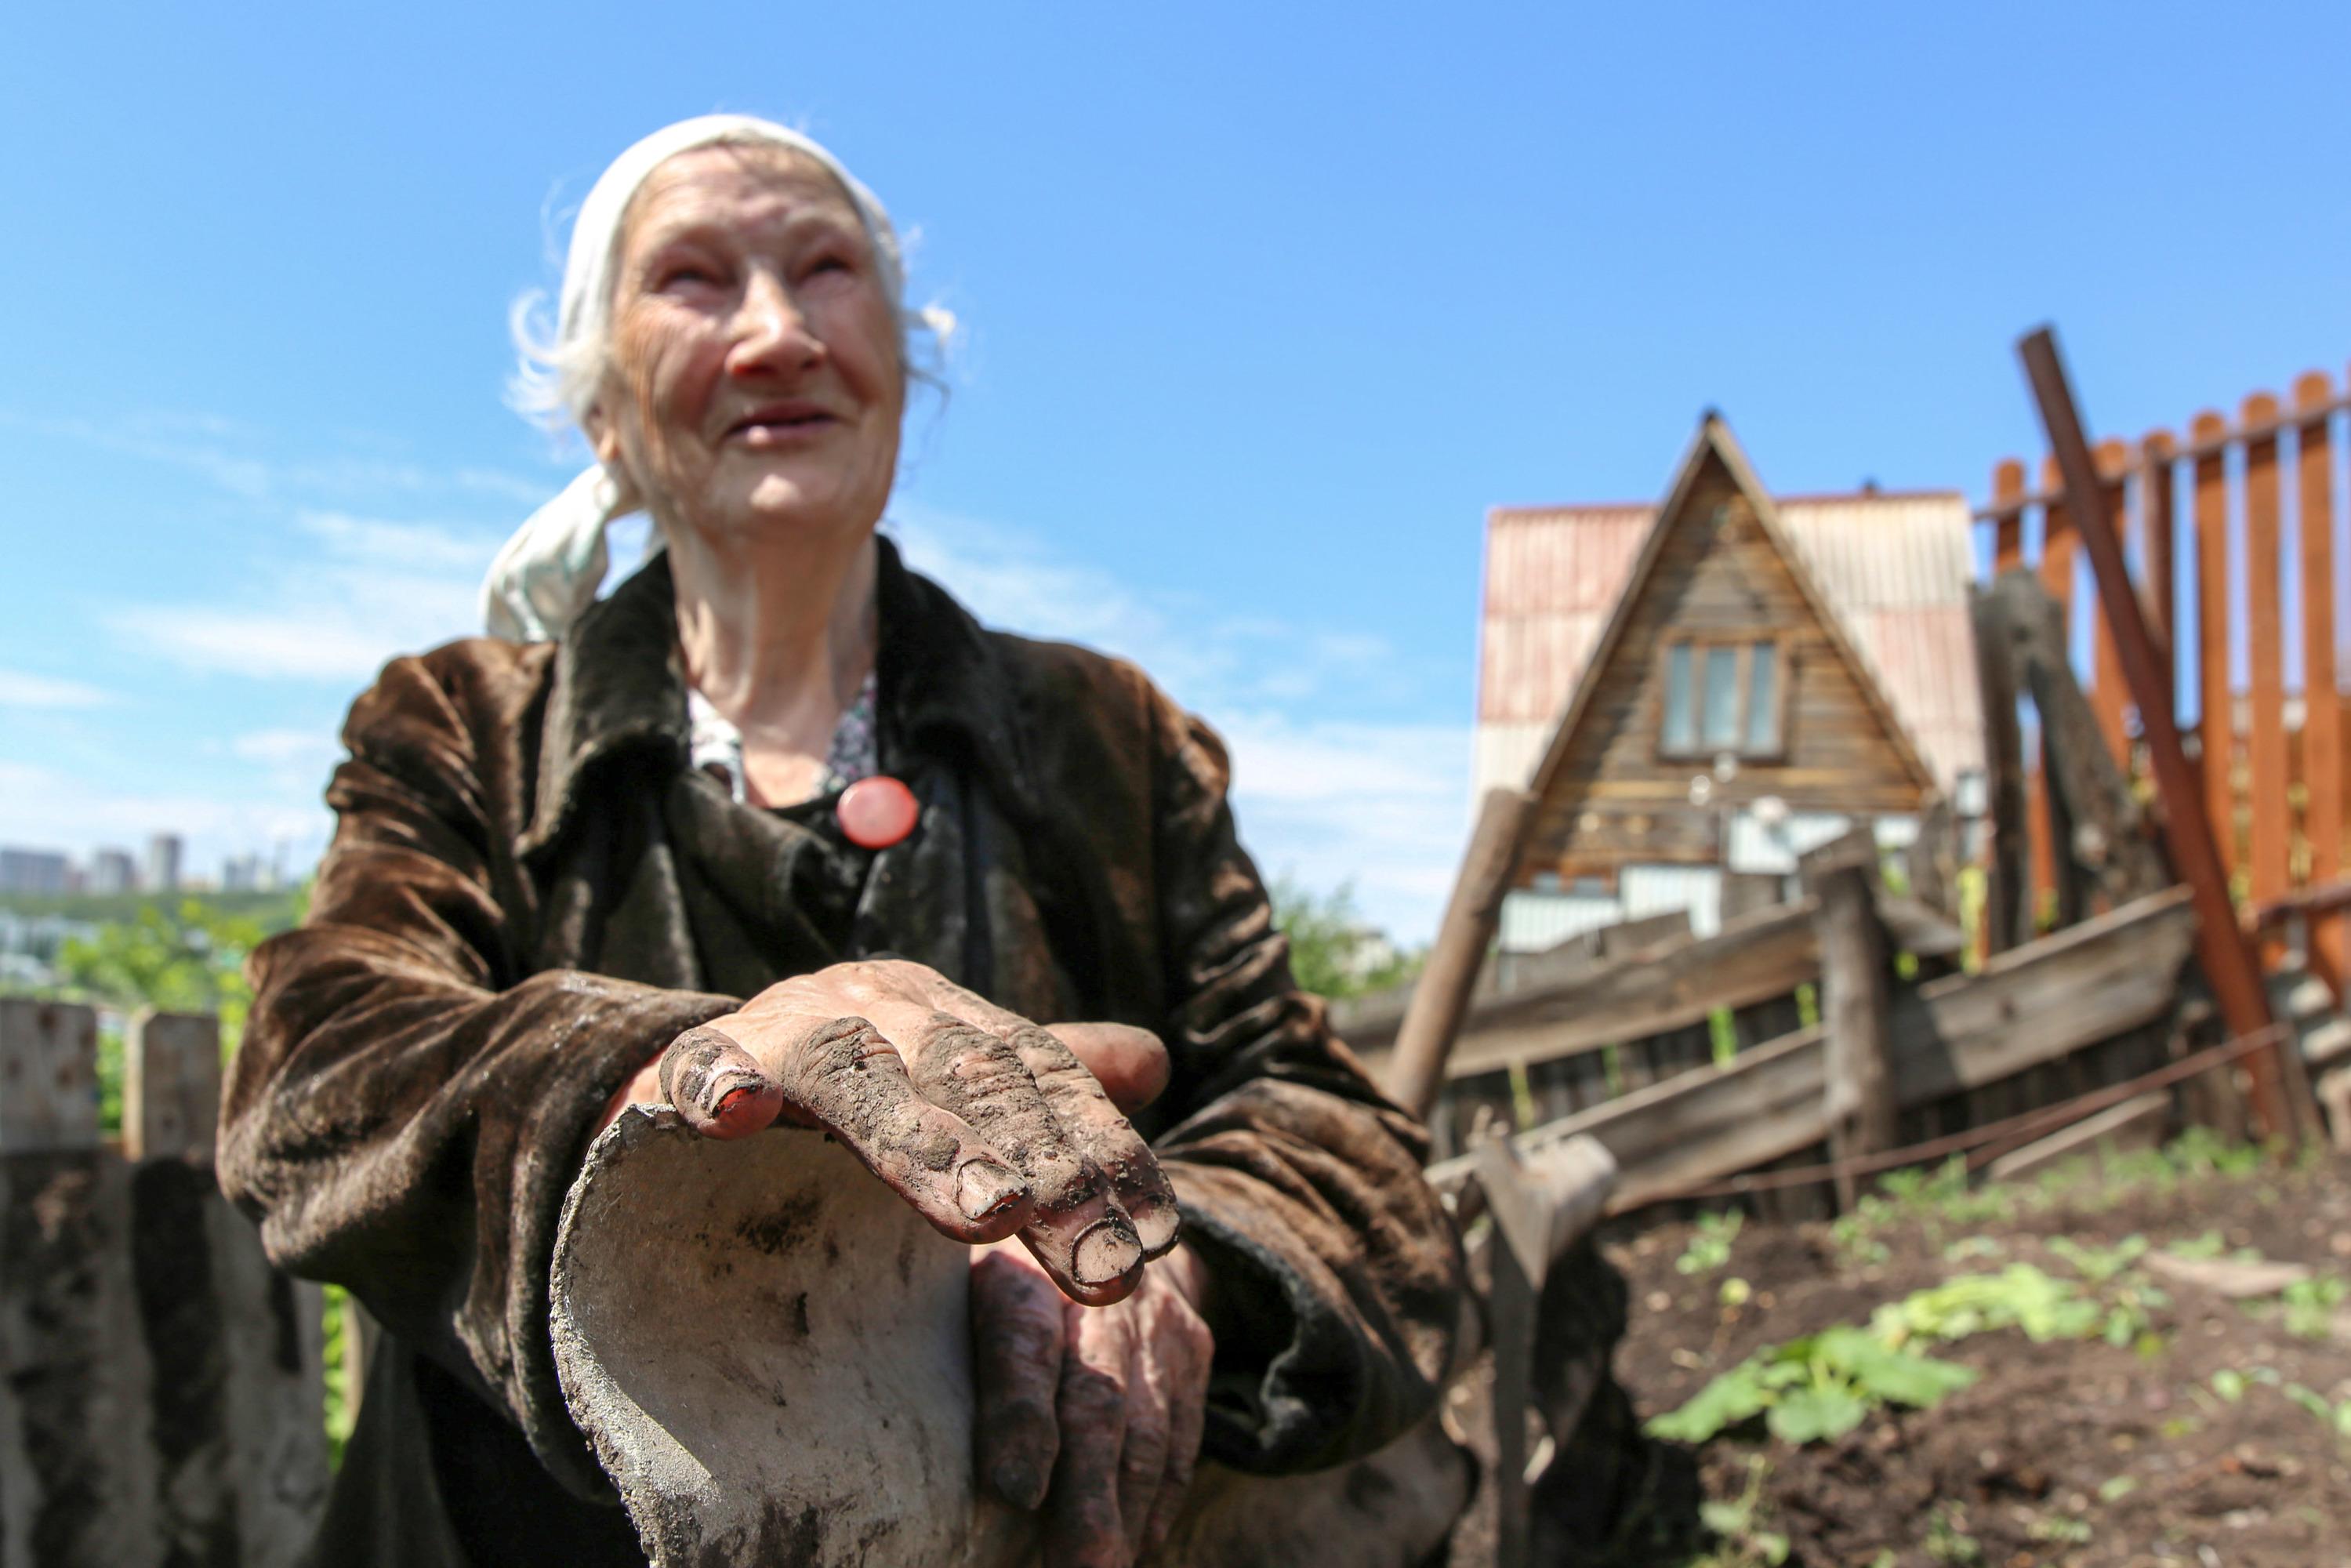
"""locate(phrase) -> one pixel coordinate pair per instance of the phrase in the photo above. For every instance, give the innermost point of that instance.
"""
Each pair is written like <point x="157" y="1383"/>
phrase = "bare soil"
<point x="2184" y="1449"/>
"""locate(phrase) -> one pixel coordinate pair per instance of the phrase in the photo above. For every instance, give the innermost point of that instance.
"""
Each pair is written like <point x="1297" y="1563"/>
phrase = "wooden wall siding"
<point x="2257" y="497"/>
<point x="1719" y="575"/>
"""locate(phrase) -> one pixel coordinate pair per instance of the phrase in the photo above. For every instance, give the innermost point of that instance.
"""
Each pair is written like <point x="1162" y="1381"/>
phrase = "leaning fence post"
<point x="1861" y="1104"/>
<point x="1440" y="997"/>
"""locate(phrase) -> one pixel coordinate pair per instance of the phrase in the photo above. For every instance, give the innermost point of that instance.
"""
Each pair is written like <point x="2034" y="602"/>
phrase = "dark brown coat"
<point x="529" y="892"/>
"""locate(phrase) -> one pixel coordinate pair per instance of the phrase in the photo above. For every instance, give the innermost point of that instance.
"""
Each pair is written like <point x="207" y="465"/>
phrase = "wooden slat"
<point x="1860" y="1106"/>
<point x="2321" y="723"/>
<point x="2007" y="529"/>
<point x="49" y="1077"/>
<point x="2036" y="1004"/>
<point x="2109" y="699"/>
<point x="2053" y="828"/>
<point x="2272" y="827"/>
<point x="170" y="1085"/>
<point x="2008" y="908"/>
<point x="2157" y="523"/>
<point x="2216" y="729"/>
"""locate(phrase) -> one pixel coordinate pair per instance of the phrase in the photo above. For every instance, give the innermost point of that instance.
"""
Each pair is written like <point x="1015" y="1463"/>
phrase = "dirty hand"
<point x="1095" y="1413"/>
<point x="983" y="1121"/>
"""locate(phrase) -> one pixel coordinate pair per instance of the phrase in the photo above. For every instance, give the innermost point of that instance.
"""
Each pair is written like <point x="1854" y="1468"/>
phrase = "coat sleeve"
<point x="1337" y="1269"/>
<point x="409" y="1106"/>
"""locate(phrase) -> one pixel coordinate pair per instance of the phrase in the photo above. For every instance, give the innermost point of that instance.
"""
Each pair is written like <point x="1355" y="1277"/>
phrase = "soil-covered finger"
<point x="850" y="1078"/>
<point x="1077" y="1230"/>
<point x="1187" y="1413"/>
<point x="1016" y="1343"/>
<point x="716" y="1085"/>
<point x="1143" y="1448"/>
<point x="1082" y="1526"/>
<point x="1099" y="1131"/>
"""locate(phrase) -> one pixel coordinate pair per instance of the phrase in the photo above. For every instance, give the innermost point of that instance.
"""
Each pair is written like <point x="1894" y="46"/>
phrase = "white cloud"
<point x="19" y="689"/>
<point x="1378" y="803"/>
<point x="374" y="589"/>
<point x="225" y="454"/>
<point x="1382" y="806"/>
<point x="46" y="807"/>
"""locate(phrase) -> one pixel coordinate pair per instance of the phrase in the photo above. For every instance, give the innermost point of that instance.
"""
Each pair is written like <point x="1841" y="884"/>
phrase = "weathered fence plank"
<point x="1861" y="1104"/>
<point x="2272" y="824"/>
<point x="49" y="1077"/>
<point x="2110" y="693"/>
<point x="159" y="1390"/>
<point x="2159" y="579"/>
<point x="2035" y="1005"/>
<point x="2217" y="722"/>
<point x="170" y="1085"/>
<point x="2321" y="722"/>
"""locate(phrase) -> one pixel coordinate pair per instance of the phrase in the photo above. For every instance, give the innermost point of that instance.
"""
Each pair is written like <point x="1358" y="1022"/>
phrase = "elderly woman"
<point x="777" y="833"/>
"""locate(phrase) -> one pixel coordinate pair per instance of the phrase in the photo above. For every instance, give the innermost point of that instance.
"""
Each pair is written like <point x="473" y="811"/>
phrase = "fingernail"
<point x="1105" y="1253"/>
<point x="1018" y="1483"/>
<point x="1156" y="1221"/>
<point x="983" y="1187"/>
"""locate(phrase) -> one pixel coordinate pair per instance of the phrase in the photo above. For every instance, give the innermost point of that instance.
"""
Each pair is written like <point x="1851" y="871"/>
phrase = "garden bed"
<point x="2155" y="1420"/>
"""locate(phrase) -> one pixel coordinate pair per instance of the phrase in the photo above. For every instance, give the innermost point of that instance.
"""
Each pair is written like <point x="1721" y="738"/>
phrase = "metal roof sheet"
<point x="1893" y="567"/>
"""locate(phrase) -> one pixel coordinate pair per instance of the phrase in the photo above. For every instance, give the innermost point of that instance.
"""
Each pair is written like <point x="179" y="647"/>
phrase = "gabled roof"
<point x="1715" y="441"/>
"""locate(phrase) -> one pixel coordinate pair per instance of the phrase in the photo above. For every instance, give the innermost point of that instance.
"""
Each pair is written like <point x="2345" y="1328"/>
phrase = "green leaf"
<point x="1900" y="1376"/>
<point x="1735" y="1396"/>
<point x="1810" y="1415"/>
<point x="2230" y="1386"/>
<point x="1729" y="1519"/>
<point x="2310" y="1400"/>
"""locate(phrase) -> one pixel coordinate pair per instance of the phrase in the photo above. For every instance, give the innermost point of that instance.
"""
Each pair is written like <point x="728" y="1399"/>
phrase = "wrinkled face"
<point x="755" y="379"/>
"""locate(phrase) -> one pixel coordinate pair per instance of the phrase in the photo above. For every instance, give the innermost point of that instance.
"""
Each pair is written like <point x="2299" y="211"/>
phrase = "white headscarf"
<point x="549" y="570"/>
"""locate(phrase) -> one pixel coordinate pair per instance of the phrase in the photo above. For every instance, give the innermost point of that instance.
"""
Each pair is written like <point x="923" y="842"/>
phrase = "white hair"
<point x="549" y="570"/>
<point x="560" y="371"/>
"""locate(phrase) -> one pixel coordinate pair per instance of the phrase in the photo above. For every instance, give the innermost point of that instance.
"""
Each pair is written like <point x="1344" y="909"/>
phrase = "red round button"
<point x="876" y="813"/>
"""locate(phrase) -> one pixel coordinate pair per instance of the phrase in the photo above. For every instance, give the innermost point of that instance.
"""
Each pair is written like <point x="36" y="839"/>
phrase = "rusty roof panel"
<point x="1894" y="568"/>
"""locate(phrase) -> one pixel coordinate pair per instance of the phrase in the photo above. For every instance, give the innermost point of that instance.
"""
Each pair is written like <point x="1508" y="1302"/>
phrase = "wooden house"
<point x="1700" y="691"/>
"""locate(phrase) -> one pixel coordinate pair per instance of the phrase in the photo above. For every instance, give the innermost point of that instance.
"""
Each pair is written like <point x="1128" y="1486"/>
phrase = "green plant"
<point x="339" y="1355"/>
<point x="1821" y="1385"/>
<point x="1734" y="1523"/>
<point x="2336" y="1416"/>
<point x="2310" y="1305"/>
<point x="2099" y="1264"/>
<point x="1709" y="1242"/>
<point x="2062" y="1528"/>
<point x="2020" y="1296"/>
<point x="1334" y="952"/>
<point x="2200" y="1151"/>
<point x="2211" y="1244"/>
<point x="1722" y="1034"/>
<point x="1947" y="1539"/>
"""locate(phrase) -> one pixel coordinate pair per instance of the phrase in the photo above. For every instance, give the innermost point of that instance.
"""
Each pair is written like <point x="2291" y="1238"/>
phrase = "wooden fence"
<point x="1695" y="1060"/>
<point x="2233" y="534"/>
<point x="162" y="1401"/>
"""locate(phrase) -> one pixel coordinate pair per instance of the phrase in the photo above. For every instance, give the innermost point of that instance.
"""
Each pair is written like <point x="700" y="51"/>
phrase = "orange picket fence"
<point x="2232" y="537"/>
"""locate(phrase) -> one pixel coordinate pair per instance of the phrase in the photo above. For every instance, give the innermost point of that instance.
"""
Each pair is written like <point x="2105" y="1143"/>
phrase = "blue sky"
<point x="1265" y="307"/>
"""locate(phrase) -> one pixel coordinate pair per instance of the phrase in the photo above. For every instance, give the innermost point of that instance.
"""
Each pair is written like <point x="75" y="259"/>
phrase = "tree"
<point x="1333" y="951"/>
<point x="189" y="960"/>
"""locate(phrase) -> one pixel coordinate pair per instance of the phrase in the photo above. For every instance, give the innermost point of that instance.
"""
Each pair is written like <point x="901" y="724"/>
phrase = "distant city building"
<point x="34" y="870"/>
<point x="113" y="870"/>
<point x="249" y="873"/>
<point x="163" y="862"/>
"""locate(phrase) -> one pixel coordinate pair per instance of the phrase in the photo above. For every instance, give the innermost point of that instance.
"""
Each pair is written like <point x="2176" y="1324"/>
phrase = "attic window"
<point x="1724" y="695"/>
